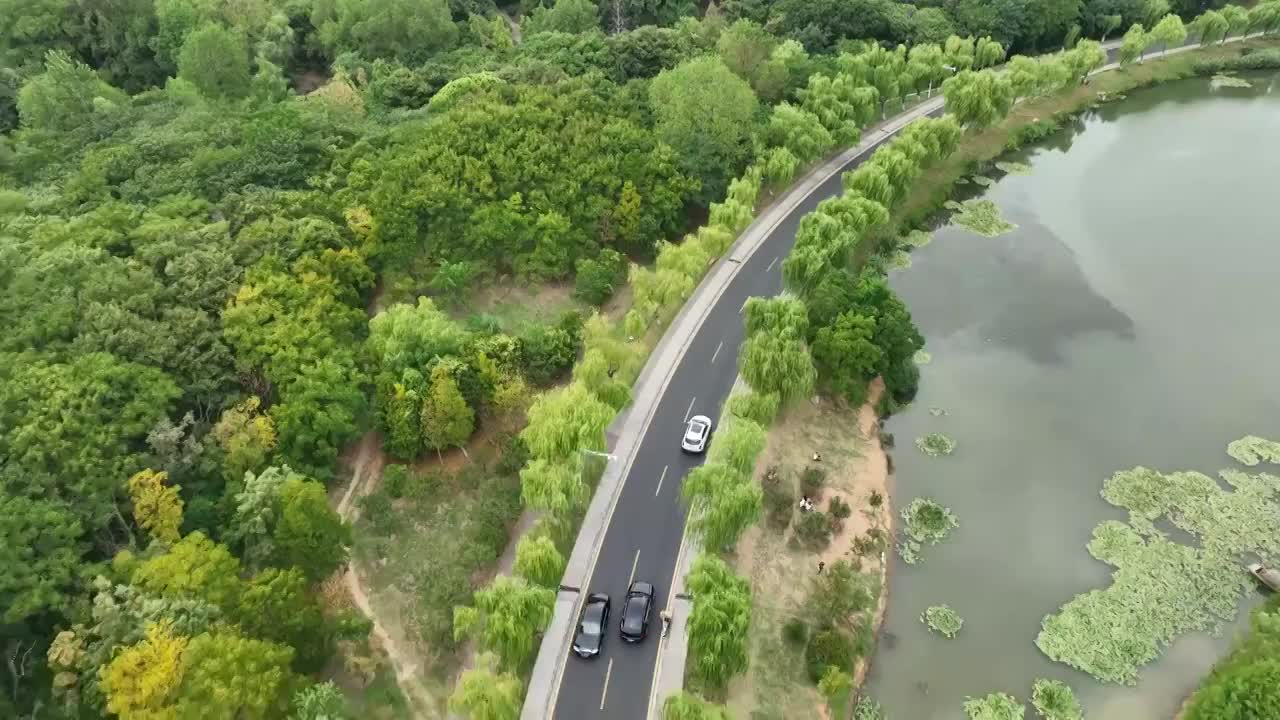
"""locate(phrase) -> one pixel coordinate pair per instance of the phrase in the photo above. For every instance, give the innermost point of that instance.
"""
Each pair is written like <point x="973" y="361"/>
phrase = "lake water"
<point x="1129" y="320"/>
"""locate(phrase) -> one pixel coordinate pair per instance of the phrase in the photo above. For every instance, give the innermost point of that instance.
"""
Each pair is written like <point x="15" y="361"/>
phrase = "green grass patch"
<point x="980" y="216"/>
<point x="428" y="541"/>
<point x="943" y="620"/>
<point x="1163" y="589"/>
<point x="936" y="445"/>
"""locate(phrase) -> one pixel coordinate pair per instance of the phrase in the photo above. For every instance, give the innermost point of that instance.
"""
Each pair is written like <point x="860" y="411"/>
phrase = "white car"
<point x="696" y="434"/>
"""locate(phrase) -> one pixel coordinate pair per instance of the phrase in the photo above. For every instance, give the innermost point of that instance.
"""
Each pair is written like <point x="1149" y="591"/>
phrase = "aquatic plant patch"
<point x="1251" y="450"/>
<point x="867" y="709"/>
<point x="937" y="411"/>
<point x="980" y="216"/>
<point x="922" y="357"/>
<point x="1228" y="81"/>
<point x="996" y="706"/>
<point x="916" y="239"/>
<point x="1013" y="168"/>
<point x="899" y="260"/>
<point x="982" y="180"/>
<point x="1055" y="700"/>
<point x="1163" y="589"/>
<point x="925" y="521"/>
<point x="943" y="620"/>
<point x="936" y="445"/>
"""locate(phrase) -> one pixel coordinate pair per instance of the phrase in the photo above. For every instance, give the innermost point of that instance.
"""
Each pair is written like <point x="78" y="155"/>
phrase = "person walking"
<point x="821" y="564"/>
<point x="666" y="621"/>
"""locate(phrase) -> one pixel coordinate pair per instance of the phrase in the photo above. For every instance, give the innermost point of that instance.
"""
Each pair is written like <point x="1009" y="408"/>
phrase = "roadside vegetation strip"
<point x="1162" y="589"/>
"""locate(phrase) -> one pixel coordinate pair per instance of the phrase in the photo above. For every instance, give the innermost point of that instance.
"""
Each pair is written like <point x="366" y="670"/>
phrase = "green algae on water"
<point x="1013" y="168"/>
<point x="899" y="260"/>
<point x="1223" y="80"/>
<point x="936" y="445"/>
<point x="1055" y="700"/>
<point x="922" y="357"/>
<point x="924" y="521"/>
<point x="983" y="180"/>
<point x="1162" y="589"/>
<point x="943" y="620"/>
<point x="980" y="216"/>
<point x="1251" y="450"/>
<point x="996" y="706"/>
<point x="916" y="239"/>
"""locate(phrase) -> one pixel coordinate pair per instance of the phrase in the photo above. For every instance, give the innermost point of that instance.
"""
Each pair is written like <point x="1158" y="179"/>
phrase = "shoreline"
<point x="863" y="665"/>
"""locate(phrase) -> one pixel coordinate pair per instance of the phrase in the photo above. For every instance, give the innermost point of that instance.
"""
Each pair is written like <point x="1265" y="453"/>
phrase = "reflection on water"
<point x="1127" y="321"/>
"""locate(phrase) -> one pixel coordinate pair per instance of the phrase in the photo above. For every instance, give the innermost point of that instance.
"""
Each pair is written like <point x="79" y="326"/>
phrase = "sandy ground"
<point x="775" y="684"/>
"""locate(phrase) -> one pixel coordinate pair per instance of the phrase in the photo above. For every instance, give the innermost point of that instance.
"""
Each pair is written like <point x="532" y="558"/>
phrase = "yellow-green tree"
<point x="246" y="436"/>
<point x="157" y="507"/>
<point x="141" y="681"/>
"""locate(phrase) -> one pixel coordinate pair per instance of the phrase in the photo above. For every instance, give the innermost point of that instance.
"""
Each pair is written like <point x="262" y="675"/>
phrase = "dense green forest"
<point x="236" y="235"/>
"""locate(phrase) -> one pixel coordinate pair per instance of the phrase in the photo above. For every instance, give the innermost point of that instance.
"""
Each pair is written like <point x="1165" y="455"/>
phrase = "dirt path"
<point x="366" y="463"/>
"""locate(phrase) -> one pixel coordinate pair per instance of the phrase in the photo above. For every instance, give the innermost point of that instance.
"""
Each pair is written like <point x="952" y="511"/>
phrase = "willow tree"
<point x="987" y="53"/>
<point x="507" y="616"/>
<point x="1134" y="45"/>
<point x="1237" y="19"/>
<point x="978" y="99"/>
<point x="1169" y="31"/>
<point x="720" y="624"/>
<point x="778" y="364"/>
<point x="1211" y="26"/>
<point x="1109" y="24"/>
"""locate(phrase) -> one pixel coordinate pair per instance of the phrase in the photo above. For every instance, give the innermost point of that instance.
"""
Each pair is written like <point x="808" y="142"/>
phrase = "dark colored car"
<point x="595" y="618"/>
<point x="636" y="611"/>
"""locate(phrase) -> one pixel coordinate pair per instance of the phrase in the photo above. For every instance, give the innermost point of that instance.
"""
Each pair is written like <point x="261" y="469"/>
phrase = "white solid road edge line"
<point x="671" y="598"/>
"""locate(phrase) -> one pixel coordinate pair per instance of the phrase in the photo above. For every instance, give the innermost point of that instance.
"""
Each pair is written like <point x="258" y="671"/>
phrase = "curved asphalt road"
<point x="645" y="531"/>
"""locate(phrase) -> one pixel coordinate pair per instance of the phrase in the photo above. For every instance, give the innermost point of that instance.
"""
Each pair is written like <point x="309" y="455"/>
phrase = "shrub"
<point x="864" y="640"/>
<point x="867" y="709"/>
<point x="395" y="479"/>
<point x="839" y="509"/>
<point x="795" y="632"/>
<point x="869" y="545"/>
<point x="512" y="456"/>
<point x="548" y="353"/>
<point x="840" y="593"/>
<point x="598" y="277"/>
<point x="828" y="648"/>
<point x="779" y="502"/>
<point x="813" y="530"/>
<point x="376" y="510"/>
<point x="811" y="482"/>
<point x="876" y="499"/>
<point x="759" y="408"/>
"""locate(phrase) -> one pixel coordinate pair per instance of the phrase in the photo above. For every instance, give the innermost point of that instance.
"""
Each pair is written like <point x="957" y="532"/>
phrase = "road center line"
<point x="634" y="563"/>
<point x="716" y="354"/>
<point x="660" y="479"/>
<point x="771" y="262"/>
<point x="690" y="410"/>
<point x="605" y="692"/>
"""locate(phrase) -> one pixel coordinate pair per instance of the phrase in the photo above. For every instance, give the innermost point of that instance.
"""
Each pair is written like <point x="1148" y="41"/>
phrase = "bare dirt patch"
<point x="781" y="574"/>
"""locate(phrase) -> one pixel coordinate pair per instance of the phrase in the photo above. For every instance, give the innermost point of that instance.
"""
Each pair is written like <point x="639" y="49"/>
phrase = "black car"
<point x="636" y="610"/>
<point x="595" y="618"/>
